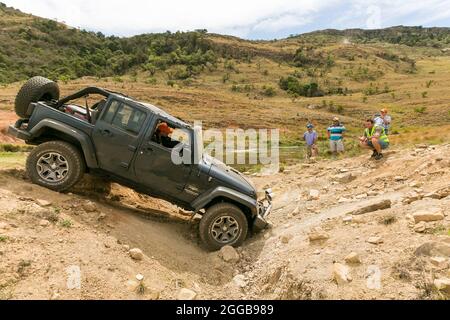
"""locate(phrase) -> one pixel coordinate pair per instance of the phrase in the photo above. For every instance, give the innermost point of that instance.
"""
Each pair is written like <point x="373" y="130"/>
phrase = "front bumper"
<point x="264" y="209"/>
<point x="20" y="134"/>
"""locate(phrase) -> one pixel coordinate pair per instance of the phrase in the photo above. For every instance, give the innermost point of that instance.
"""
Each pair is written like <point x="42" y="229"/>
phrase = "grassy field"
<point x="12" y="160"/>
<point x="417" y="117"/>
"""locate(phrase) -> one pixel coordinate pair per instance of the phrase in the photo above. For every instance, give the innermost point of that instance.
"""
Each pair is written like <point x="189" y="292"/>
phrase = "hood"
<point x="230" y="177"/>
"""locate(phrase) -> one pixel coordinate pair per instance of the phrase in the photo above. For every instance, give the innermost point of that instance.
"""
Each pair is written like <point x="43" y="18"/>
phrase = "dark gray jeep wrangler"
<point x="133" y="143"/>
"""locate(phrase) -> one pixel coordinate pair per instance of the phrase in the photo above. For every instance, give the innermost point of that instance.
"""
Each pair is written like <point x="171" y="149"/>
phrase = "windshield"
<point x="198" y="146"/>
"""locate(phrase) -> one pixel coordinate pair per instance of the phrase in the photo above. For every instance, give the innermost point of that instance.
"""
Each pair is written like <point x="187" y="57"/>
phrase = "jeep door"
<point x="154" y="167"/>
<point x="116" y="136"/>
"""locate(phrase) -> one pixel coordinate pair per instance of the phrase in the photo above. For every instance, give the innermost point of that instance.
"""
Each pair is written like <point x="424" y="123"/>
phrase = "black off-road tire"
<point x="34" y="90"/>
<point x="208" y="233"/>
<point x="73" y="160"/>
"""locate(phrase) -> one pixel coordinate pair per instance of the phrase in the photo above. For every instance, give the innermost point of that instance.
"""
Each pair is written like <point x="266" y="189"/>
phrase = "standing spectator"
<point x="378" y="119"/>
<point x="336" y="135"/>
<point x="386" y="120"/>
<point x="311" y="137"/>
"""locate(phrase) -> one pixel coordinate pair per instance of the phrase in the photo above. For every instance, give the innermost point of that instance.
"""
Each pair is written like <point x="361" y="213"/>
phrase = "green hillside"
<point x="31" y="45"/>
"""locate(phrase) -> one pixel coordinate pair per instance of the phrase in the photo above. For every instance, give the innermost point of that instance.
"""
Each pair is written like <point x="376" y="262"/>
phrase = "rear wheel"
<point x="56" y="165"/>
<point x="34" y="90"/>
<point x="223" y="224"/>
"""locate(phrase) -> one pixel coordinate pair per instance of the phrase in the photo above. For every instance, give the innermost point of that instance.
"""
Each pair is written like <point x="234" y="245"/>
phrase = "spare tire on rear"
<point x="34" y="90"/>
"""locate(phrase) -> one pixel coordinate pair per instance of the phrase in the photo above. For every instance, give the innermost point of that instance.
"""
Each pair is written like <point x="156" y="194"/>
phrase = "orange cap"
<point x="164" y="128"/>
<point x="384" y="110"/>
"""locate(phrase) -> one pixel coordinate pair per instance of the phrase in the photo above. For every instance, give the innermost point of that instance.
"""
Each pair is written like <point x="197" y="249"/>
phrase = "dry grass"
<point x="207" y="98"/>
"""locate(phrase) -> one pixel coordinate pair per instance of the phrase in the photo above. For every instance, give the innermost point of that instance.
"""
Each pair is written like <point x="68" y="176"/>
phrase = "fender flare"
<point x="83" y="138"/>
<point x="202" y="201"/>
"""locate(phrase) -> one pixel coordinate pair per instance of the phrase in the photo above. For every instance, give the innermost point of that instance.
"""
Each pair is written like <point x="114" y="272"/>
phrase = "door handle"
<point x="106" y="133"/>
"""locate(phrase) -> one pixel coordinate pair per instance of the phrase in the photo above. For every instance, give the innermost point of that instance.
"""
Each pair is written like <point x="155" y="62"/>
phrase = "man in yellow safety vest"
<point x="374" y="138"/>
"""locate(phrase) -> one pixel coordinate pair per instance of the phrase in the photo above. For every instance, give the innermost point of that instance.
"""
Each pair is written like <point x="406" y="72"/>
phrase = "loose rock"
<point x="433" y="248"/>
<point x="229" y="254"/>
<point x="344" y="177"/>
<point x="240" y="281"/>
<point x="375" y="240"/>
<point x="420" y="227"/>
<point x="139" y="277"/>
<point x="372" y="205"/>
<point x="89" y="206"/>
<point x="313" y="194"/>
<point x="318" y="234"/>
<point x="136" y="254"/>
<point x="442" y="284"/>
<point x="431" y="214"/>
<point x="353" y="257"/>
<point x="341" y="274"/>
<point x="286" y="238"/>
<point x="44" y="223"/>
<point x="4" y="226"/>
<point x="347" y="219"/>
<point x="440" y="262"/>
<point x="43" y="203"/>
<point x="186" y="294"/>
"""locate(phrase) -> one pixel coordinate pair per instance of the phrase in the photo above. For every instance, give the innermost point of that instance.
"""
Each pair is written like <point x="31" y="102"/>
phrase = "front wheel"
<point x="223" y="224"/>
<point x="56" y="165"/>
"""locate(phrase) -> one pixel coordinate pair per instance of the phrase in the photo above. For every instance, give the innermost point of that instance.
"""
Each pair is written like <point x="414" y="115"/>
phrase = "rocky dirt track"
<point x="346" y="229"/>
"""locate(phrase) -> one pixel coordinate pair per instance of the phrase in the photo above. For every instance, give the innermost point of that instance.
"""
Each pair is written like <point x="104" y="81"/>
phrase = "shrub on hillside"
<point x="292" y="85"/>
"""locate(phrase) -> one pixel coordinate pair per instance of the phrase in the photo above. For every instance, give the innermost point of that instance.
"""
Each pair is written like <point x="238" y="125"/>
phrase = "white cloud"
<point x="245" y="18"/>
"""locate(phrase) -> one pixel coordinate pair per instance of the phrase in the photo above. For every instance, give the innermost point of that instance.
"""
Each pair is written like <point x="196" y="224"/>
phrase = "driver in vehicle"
<point x="162" y="135"/>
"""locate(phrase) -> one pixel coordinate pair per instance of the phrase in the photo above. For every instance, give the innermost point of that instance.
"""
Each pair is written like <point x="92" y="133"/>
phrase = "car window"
<point x="109" y="115"/>
<point x="125" y="117"/>
<point x="169" y="135"/>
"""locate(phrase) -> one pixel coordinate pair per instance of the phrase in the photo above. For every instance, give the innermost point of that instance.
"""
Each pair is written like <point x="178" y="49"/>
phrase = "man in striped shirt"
<point x="336" y="136"/>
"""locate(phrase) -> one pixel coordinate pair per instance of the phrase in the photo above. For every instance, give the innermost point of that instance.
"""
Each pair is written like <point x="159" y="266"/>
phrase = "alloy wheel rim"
<point x="52" y="167"/>
<point x="225" y="229"/>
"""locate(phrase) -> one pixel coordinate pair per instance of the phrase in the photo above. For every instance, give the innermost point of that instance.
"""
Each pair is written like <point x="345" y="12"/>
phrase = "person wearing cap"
<point x="374" y="138"/>
<point x="310" y="138"/>
<point x="336" y="135"/>
<point x="386" y="120"/>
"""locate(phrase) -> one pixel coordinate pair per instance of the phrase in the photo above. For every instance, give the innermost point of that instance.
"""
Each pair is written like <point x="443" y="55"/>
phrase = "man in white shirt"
<point x="386" y="120"/>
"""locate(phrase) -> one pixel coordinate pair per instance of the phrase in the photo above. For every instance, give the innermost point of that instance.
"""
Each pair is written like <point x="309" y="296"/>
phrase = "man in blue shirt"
<point x="311" y="137"/>
<point x="336" y="136"/>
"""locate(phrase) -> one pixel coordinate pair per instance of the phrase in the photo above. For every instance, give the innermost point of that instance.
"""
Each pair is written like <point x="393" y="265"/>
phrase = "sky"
<point x="249" y="19"/>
